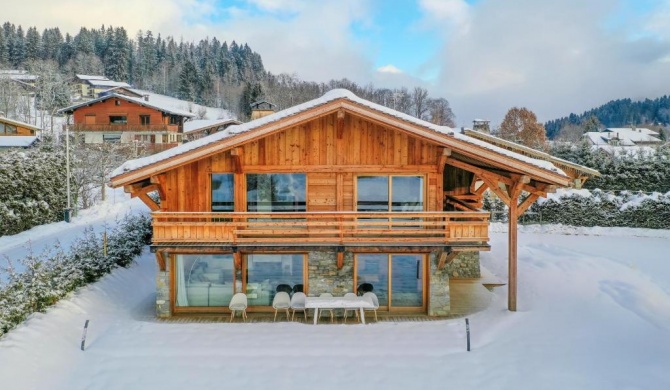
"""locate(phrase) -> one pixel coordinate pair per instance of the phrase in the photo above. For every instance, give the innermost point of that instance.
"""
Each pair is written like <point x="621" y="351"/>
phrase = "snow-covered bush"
<point x="55" y="273"/>
<point x="33" y="189"/>
<point x="592" y="208"/>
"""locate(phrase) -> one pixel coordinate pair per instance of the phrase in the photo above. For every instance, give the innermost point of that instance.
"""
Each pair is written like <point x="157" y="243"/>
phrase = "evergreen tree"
<point x="187" y="81"/>
<point x="117" y="56"/>
<point x="33" y="43"/>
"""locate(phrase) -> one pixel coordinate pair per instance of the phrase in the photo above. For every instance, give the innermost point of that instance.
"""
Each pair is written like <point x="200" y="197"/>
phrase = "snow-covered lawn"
<point x="594" y="313"/>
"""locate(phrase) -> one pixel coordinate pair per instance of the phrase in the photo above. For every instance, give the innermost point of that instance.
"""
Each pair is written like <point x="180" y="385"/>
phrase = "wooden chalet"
<point x="327" y="196"/>
<point x="121" y="117"/>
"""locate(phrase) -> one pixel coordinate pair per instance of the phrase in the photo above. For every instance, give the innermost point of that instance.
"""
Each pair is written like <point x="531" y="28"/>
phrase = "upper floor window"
<point x="223" y="191"/>
<point x="111" y="138"/>
<point x="117" y="120"/>
<point x="174" y="120"/>
<point x="276" y="192"/>
<point x="389" y="193"/>
<point x="145" y="119"/>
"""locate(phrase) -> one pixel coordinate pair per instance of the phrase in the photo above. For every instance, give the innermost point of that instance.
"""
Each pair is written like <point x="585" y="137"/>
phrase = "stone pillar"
<point x="323" y="275"/>
<point x="464" y="266"/>
<point x="439" y="300"/>
<point x="163" y="290"/>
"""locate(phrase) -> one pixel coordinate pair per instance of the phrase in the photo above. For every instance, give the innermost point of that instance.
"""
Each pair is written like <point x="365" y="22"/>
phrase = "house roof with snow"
<point x="194" y="125"/>
<point x="90" y="77"/>
<point x="19" y="123"/>
<point x="634" y="135"/>
<point x="157" y="105"/>
<point x="335" y="101"/>
<point x="18" y="141"/>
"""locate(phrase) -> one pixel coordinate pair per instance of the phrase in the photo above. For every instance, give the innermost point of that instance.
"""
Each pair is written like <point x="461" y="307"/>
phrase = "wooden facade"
<point x="10" y="127"/>
<point x="335" y="145"/>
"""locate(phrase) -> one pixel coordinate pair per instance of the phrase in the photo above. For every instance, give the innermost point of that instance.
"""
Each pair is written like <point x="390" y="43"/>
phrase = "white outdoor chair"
<point x="348" y="310"/>
<point x="282" y="301"/>
<point x="238" y="303"/>
<point x="332" y="314"/>
<point x="375" y="302"/>
<point x="298" y="304"/>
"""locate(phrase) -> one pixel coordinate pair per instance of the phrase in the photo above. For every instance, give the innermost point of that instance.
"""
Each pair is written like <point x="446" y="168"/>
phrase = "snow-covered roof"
<point x="107" y="83"/>
<point x="153" y="104"/>
<point x="18" y="75"/>
<point x="632" y="151"/>
<point x="634" y="136"/>
<point x="17" y="141"/>
<point x="18" y="123"/>
<point x="603" y="138"/>
<point x="91" y="77"/>
<point x="328" y="97"/>
<point x="183" y="105"/>
<point x="199" y="124"/>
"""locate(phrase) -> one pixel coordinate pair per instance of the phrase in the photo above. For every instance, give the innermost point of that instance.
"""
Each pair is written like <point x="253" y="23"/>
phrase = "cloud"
<point x="552" y="57"/>
<point x="389" y="69"/>
<point x="454" y="12"/>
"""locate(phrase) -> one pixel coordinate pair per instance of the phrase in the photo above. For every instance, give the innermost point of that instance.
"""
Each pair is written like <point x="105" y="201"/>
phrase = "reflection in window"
<point x="117" y="120"/>
<point x="373" y="193"/>
<point x="374" y="269"/>
<point x="204" y="280"/>
<point x="389" y="193"/>
<point x="268" y="271"/>
<point x="279" y="192"/>
<point x="223" y="193"/>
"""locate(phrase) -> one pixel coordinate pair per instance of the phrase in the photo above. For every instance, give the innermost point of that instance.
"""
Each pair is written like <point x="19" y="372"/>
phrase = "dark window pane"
<point x="266" y="272"/>
<point x="407" y="193"/>
<point x="372" y="194"/>
<point x="223" y="192"/>
<point x="276" y="192"/>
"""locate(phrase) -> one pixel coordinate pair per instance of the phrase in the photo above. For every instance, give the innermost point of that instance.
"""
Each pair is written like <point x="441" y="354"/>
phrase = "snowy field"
<point x="594" y="313"/>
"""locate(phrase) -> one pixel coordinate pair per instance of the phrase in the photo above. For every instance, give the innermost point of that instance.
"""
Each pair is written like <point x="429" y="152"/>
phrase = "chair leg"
<point x="288" y="318"/>
<point x="376" y="316"/>
<point x="332" y="317"/>
<point x="232" y="314"/>
<point x="244" y="315"/>
<point x="275" y="320"/>
<point x="293" y="316"/>
<point x="305" y="311"/>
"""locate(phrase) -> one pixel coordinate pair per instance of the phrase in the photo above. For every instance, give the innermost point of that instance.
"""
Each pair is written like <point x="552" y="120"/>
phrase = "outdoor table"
<point x="317" y="303"/>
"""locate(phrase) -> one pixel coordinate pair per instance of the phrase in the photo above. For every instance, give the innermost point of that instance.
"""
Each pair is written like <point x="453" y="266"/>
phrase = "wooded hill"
<point x="209" y="72"/>
<point x="618" y="113"/>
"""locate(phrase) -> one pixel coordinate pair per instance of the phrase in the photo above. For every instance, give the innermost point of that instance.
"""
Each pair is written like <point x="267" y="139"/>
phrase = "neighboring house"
<point x="17" y="135"/>
<point x="21" y="77"/>
<point x="624" y="140"/>
<point x="326" y="196"/>
<point x="198" y="128"/>
<point x="116" y="117"/>
<point x="89" y="86"/>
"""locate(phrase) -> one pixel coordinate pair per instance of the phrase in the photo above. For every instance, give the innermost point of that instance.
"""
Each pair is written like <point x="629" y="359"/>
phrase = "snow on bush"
<point x="53" y="274"/>
<point x="33" y="189"/>
<point x="593" y="208"/>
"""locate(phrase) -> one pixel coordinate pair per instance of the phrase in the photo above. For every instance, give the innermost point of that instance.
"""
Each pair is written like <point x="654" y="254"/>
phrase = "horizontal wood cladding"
<point x="99" y="113"/>
<point x="331" y="158"/>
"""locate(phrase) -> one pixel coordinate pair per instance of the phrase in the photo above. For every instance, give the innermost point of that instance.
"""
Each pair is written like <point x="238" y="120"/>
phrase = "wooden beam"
<point x="149" y="202"/>
<point x="238" y="157"/>
<point x="340" y="260"/>
<point x="493" y="185"/>
<point x="442" y="159"/>
<point x="460" y="204"/>
<point x="526" y="204"/>
<point x="160" y="259"/>
<point x="160" y="181"/>
<point x="512" y="255"/>
<point x="446" y="257"/>
<point x="144" y="190"/>
<point x="237" y="260"/>
<point x="481" y="172"/>
<point x="517" y="187"/>
<point x="340" y="123"/>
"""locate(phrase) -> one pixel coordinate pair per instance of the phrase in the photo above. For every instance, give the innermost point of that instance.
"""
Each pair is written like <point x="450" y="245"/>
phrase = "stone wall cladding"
<point x="439" y="300"/>
<point x="163" y="303"/>
<point x="323" y="275"/>
<point x="464" y="266"/>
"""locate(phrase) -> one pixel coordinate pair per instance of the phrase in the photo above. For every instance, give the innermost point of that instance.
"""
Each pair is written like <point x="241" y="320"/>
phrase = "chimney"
<point x="481" y="125"/>
<point x="261" y="108"/>
<point x="146" y="98"/>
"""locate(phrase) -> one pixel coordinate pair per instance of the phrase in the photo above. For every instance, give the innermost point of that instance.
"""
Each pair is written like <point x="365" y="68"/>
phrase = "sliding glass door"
<point x="398" y="280"/>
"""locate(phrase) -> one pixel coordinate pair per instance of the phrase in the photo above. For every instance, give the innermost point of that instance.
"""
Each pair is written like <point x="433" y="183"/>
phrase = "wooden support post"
<point x="442" y="159"/>
<point x="149" y="202"/>
<point x="238" y="157"/>
<point x="512" y="248"/>
<point x="237" y="260"/>
<point x="160" y="182"/>
<point x="340" y="260"/>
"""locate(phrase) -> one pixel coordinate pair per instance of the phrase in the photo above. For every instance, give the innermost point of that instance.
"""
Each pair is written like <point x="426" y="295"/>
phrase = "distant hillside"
<point x="619" y="113"/>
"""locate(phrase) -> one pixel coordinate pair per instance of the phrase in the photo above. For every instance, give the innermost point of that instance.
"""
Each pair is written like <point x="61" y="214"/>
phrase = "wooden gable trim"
<point x="344" y="105"/>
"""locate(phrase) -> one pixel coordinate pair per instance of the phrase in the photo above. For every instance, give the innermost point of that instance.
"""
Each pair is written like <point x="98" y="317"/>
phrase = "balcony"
<point x="322" y="228"/>
<point x="125" y="127"/>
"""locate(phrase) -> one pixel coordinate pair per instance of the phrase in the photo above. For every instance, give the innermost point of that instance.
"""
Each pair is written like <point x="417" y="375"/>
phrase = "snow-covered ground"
<point x="594" y="313"/>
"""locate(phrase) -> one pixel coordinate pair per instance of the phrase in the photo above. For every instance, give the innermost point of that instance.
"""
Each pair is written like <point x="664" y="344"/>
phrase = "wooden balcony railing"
<point x="126" y="127"/>
<point x="321" y="227"/>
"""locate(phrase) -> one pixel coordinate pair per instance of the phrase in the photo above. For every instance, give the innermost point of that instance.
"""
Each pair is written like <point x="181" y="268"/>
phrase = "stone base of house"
<point x="324" y="276"/>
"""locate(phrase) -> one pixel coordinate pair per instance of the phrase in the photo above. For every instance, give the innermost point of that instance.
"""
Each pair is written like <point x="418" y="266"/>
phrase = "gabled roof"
<point x="331" y="102"/>
<point x="90" y="77"/>
<point x="107" y="83"/>
<point x="200" y="124"/>
<point x="633" y="136"/>
<point x="559" y="162"/>
<point x="19" y="123"/>
<point x="140" y="101"/>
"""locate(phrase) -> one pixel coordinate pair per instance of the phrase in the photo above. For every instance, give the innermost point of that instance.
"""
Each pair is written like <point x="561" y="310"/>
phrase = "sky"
<point x="484" y="56"/>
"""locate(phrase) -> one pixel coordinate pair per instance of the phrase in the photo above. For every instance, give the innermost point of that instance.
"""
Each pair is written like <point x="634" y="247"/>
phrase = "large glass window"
<point x="389" y="193"/>
<point x="269" y="273"/>
<point x="277" y="192"/>
<point x="373" y="269"/>
<point x="223" y="192"/>
<point x="204" y="280"/>
<point x="6" y="128"/>
<point x="118" y="120"/>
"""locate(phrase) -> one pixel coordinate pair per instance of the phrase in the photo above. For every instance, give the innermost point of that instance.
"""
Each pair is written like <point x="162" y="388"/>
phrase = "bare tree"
<point x="420" y="102"/>
<point x="440" y="112"/>
<point x="10" y="94"/>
